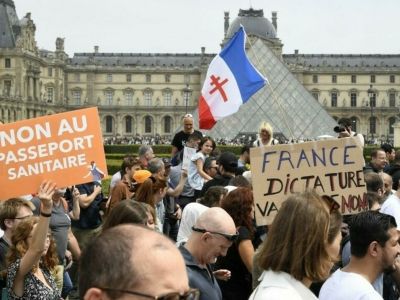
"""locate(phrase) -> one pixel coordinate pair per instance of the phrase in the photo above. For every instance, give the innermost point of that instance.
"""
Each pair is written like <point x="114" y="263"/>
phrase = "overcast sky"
<point x="183" y="26"/>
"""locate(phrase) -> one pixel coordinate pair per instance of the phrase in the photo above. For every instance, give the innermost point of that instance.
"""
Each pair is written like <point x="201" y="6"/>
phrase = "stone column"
<point x="396" y="135"/>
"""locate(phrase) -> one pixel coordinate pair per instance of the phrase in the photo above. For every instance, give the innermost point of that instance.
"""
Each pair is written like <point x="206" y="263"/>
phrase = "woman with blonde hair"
<point x="300" y="248"/>
<point x="33" y="254"/>
<point x="265" y="136"/>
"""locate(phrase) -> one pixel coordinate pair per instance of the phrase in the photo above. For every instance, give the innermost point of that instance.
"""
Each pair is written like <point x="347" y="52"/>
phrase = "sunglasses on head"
<point x="192" y="294"/>
<point x="229" y="237"/>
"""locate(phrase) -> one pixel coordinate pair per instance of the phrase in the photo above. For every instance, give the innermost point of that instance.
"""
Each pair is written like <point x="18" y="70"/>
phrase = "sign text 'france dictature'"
<point x="331" y="167"/>
<point x="61" y="147"/>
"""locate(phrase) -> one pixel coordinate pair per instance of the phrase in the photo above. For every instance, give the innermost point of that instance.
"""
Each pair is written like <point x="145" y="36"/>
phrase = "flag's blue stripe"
<point x="248" y="79"/>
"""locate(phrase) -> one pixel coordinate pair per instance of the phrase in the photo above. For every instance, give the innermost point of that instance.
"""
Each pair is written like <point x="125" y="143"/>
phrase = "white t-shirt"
<point x="346" y="285"/>
<point x="194" y="178"/>
<point x="392" y="207"/>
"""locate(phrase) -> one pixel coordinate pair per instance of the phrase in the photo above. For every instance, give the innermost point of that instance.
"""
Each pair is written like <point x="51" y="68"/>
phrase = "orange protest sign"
<point x="332" y="167"/>
<point x="62" y="147"/>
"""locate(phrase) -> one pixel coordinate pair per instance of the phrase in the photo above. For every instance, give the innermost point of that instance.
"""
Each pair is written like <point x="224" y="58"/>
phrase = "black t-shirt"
<point x="180" y="139"/>
<point x="239" y="286"/>
<point x="90" y="216"/>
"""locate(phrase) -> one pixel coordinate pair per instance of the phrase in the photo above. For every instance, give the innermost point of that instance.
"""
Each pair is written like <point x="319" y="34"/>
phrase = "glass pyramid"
<point x="284" y="103"/>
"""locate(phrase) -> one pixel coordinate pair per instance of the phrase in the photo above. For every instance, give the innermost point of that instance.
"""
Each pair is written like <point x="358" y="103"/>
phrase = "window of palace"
<point x="50" y="71"/>
<point x="334" y="78"/>
<point x="392" y="99"/>
<point x="148" y="78"/>
<point x="315" y="95"/>
<point x="147" y="124"/>
<point x="77" y="77"/>
<point x="334" y="99"/>
<point x="353" y="79"/>
<point x="128" y="124"/>
<point x="109" y="97"/>
<point x="109" y="78"/>
<point x="76" y="97"/>
<point x="167" y="124"/>
<point x="109" y="124"/>
<point x="167" y="78"/>
<point x="392" y="120"/>
<point x="315" y="79"/>
<point x="50" y="95"/>
<point x="353" y="124"/>
<point x="128" y="77"/>
<point x="372" y="100"/>
<point x="372" y="79"/>
<point x="7" y="63"/>
<point x="167" y="98"/>
<point x="392" y="79"/>
<point x="147" y="97"/>
<point x="129" y="98"/>
<point x="7" y="87"/>
<point x="353" y="100"/>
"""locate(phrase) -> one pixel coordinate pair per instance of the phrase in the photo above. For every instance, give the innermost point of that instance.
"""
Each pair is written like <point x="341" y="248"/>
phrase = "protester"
<point x="239" y="204"/>
<point x="211" y="166"/>
<point x="180" y="138"/>
<point x="145" y="154"/>
<point x="387" y="185"/>
<point x="12" y="212"/>
<point x="127" y="212"/>
<point x="60" y="226"/>
<point x="120" y="174"/>
<point x="377" y="163"/>
<point x="345" y="130"/>
<point x="265" y="136"/>
<point x="213" y="196"/>
<point x="374" y="248"/>
<point x="390" y="155"/>
<point x="123" y="189"/>
<point x="295" y="254"/>
<point x="147" y="265"/>
<point x="212" y="235"/>
<point x="196" y="174"/>
<point x="33" y="255"/>
<point x="189" y="217"/>
<point x="227" y="165"/>
<point x="394" y="170"/>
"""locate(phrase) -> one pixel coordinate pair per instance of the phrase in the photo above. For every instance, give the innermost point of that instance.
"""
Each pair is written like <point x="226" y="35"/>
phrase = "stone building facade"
<point x="148" y="93"/>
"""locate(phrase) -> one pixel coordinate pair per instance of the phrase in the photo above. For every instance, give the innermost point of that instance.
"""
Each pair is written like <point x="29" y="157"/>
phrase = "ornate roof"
<point x="254" y="23"/>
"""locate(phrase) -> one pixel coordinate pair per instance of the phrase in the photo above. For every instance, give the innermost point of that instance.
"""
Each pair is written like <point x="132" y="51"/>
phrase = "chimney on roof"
<point x="296" y="51"/>
<point x="226" y="23"/>
<point x="96" y="49"/>
<point x="275" y="20"/>
<point x="203" y="50"/>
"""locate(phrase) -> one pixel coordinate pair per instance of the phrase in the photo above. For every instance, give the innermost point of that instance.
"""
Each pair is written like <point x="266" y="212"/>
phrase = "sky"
<point x="184" y="26"/>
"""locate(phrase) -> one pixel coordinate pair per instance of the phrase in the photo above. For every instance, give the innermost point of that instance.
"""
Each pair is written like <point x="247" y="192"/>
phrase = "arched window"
<point x="147" y="124"/>
<point x="128" y="124"/>
<point x="109" y="124"/>
<point x="392" y="120"/>
<point x="372" y="125"/>
<point x="167" y="124"/>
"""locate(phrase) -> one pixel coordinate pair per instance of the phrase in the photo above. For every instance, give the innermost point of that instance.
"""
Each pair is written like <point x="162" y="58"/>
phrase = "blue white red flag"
<point x="231" y="80"/>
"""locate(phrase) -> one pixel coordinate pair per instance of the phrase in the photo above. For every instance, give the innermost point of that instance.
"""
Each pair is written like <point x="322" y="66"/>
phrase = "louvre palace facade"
<point x="148" y="93"/>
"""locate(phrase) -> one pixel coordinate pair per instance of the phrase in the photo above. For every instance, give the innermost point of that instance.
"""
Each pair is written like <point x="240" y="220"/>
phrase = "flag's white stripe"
<point x="218" y="107"/>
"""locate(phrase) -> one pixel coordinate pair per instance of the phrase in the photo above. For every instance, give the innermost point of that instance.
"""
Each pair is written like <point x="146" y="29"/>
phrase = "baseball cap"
<point x="140" y="176"/>
<point x="228" y="160"/>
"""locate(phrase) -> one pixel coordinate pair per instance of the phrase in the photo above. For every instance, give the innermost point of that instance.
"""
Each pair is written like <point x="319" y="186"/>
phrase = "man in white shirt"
<point x="374" y="249"/>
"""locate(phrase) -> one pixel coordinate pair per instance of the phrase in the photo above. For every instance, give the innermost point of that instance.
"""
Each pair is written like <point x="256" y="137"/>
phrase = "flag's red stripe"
<point x="206" y="119"/>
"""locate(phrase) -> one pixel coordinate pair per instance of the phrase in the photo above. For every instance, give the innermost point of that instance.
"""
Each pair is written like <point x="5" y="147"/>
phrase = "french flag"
<point x="230" y="81"/>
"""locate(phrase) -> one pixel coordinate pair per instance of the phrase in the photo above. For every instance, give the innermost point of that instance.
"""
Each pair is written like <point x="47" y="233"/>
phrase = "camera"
<point x="339" y="129"/>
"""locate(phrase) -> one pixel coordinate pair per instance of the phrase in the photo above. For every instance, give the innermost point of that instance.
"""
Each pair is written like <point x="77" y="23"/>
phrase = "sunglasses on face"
<point x="192" y="294"/>
<point x="229" y="237"/>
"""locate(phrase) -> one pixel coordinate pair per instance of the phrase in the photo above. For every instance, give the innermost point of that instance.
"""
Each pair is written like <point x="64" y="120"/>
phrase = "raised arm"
<point x="37" y="243"/>
<point x="76" y="208"/>
<point x="85" y="200"/>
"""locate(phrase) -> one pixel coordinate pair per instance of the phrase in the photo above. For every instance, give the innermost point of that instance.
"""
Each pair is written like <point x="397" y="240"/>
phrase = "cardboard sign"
<point x="61" y="147"/>
<point x="187" y="156"/>
<point x="331" y="167"/>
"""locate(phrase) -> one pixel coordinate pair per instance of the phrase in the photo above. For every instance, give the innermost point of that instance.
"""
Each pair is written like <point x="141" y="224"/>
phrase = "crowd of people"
<point x="184" y="228"/>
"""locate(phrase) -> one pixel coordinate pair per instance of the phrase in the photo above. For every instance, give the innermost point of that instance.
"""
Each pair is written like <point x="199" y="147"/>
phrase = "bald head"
<point x="128" y="257"/>
<point x="216" y="219"/>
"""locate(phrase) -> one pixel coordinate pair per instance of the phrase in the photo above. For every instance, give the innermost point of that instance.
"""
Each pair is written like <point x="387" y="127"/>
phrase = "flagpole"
<point x="272" y="91"/>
